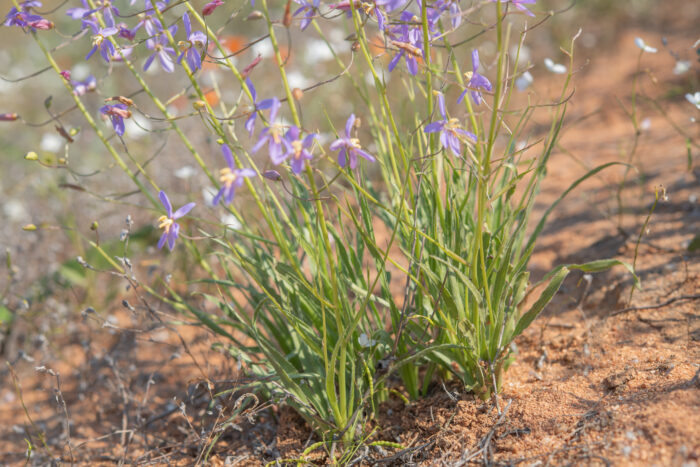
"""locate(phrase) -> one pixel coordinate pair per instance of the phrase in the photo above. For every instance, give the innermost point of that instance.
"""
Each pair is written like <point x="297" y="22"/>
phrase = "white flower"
<point x="639" y="42"/>
<point x="694" y="99"/>
<point x="365" y="341"/>
<point x="523" y="81"/>
<point x="557" y="68"/>
<point x="231" y="221"/>
<point x="185" y="172"/>
<point x="682" y="66"/>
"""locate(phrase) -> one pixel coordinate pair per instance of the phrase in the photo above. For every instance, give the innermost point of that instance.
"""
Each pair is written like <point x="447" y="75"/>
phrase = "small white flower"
<point x="185" y="172"/>
<point x="231" y="221"/>
<point x="682" y="66"/>
<point x="694" y="99"/>
<point x="557" y="68"/>
<point x="639" y="42"/>
<point x="523" y="81"/>
<point x="365" y="341"/>
<point x="51" y="142"/>
<point x="645" y="124"/>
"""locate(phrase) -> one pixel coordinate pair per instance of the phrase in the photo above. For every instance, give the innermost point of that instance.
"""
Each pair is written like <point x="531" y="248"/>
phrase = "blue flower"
<point x="187" y="48"/>
<point x="116" y="113"/>
<point x="476" y="81"/>
<point x="230" y="178"/>
<point x="451" y="135"/>
<point x="167" y="222"/>
<point x="349" y="147"/>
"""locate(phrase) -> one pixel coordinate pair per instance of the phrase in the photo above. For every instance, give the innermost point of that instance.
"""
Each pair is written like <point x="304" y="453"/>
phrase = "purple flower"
<point x="258" y="106"/>
<point x="210" y="7"/>
<point x="519" y="6"/>
<point x="99" y="39"/>
<point x="272" y="136"/>
<point x="369" y="8"/>
<point x="25" y="19"/>
<point x="230" y="178"/>
<point x="80" y="88"/>
<point x="311" y="7"/>
<point x="187" y="48"/>
<point x="476" y="81"/>
<point x="116" y="113"/>
<point x="298" y="148"/>
<point x="158" y="43"/>
<point x="168" y="224"/>
<point x="407" y="37"/>
<point x="349" y="147"/>
<point x="450" y="132"/>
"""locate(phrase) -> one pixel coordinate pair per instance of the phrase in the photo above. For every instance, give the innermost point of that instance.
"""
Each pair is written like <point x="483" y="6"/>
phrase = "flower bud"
<point x="94" y="226"/>
<point x="272" y="175"/>
<point x="287" y="18"/>
<point x="199" y="105"/>
<point x="66" y="74"/>
<point x="32" y="156"/>
<point x="29" y="228"/>
<point x="254" y="15"/>
<point x="297" y="94"/>
<point x="121" y="99"/>
<point x="9" y="117"/>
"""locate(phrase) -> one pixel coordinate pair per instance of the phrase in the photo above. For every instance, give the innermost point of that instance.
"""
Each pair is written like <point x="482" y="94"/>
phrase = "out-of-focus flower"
<point x="257" y="106"/>
<point x="524" y="81"/>
<point x="171" y="229"/>
<point x="9" y="117"/>
<point x="476" y="81"/>
<point x="681" y="67"/>
<point x="556" y="68"/>
<point x="210" y="7"/>
<point x="451" y="134"/>
<point x="116" y="113"/>
<point x="369" y="8"/>
<point x="694" y="99"/>
<point x="188" y="48"/>
<point x="81" y="88"/>
<point x="349" y="148"/>
<point x="310" y="7"/>
<point x="230" y="178"/>
<point x="297" y="148"/>
<point x="272" y="136"/>
<point x="639" y="42"/>
<point x="185" y="172"/>
<point x="519" y="5"/>
<point x="158" y="43"/>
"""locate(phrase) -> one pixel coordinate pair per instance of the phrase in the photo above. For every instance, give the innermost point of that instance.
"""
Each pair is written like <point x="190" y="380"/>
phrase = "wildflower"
<point x="210" y="7"/>
<point x="80" y="88"/>
<point x="80" y="13"/>
<point x="100" y="41"/>
<point x="523" y="81"/>
<point x="25" y="19"/>
<point x="272" y="136"/>
<point x="187" y="48"/>
<point x="171" y="229"/>
<point x="681" y="67"/>
<point x="370" y="8"/>
<point x="349" y="147"/>
<point x="230" y="178"/>
<point x="310" y="7"/>
<point x="694" y="99"/>
<point x="639" y="42"/>
<point x="451" y="134"/>
<point x="297" y="148"/>
<point x="257" y="106"/>
<point x="476" y="81"/>
<point x="116" y="113"/>
<point x="556" y="68"/>
<point x="158" y="43"/>
<point x="519" y="5"/>
<point x="407" y="38"/>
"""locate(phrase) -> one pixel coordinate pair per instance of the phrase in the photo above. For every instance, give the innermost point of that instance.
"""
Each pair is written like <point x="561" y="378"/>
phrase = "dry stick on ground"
<point x="653" y="307"/>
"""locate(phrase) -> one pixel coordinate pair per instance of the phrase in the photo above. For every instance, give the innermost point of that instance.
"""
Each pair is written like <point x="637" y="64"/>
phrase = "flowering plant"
<point x="397" y="245"/>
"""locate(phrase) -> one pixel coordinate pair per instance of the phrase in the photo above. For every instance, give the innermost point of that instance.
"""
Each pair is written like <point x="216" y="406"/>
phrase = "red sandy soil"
<point x="596" y="381"/>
